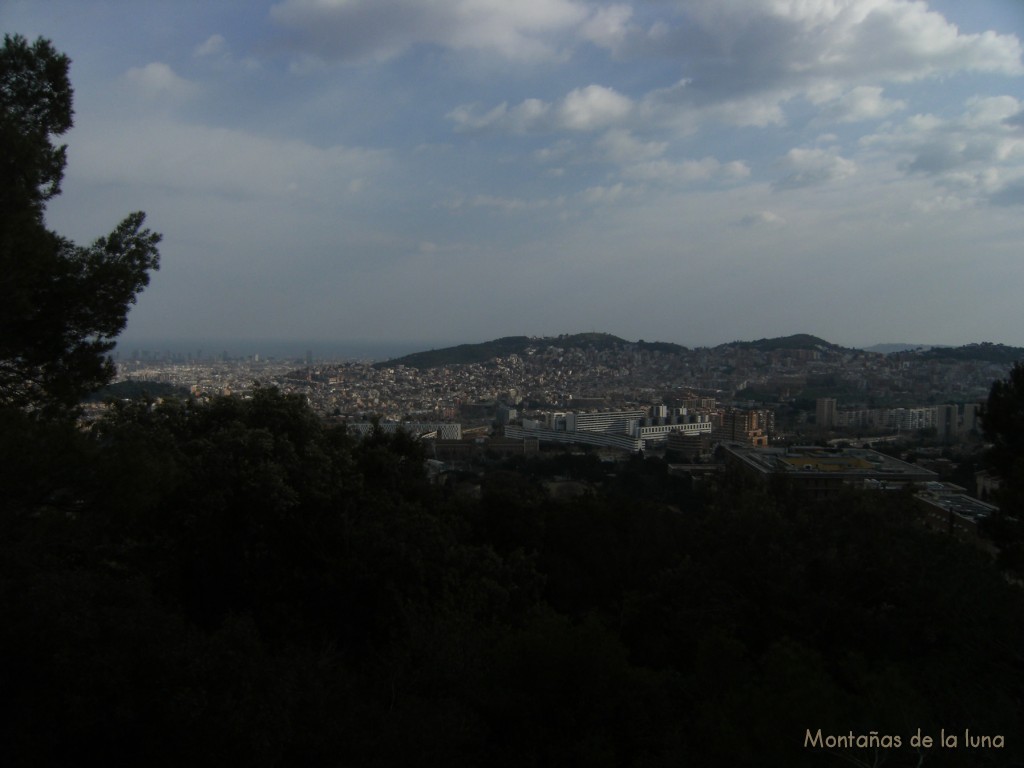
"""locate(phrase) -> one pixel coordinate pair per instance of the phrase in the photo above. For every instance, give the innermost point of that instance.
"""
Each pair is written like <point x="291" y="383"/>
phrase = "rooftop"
<point x="818" y="461"/>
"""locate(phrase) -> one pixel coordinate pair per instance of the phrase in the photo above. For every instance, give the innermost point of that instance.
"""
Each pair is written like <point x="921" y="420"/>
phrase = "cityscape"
<point x="806" y="383"/>
<point x="760" y="405"/>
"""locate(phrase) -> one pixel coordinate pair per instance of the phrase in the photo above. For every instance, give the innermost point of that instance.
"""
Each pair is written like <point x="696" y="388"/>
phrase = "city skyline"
<point x="695" y="172"/>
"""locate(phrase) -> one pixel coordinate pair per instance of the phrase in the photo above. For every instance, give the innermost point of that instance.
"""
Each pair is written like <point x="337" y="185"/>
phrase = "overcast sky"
<point x="695" y="171"/>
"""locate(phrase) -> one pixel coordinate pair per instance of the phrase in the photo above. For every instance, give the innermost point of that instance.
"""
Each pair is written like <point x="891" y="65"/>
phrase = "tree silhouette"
<point x="61" y="305"/>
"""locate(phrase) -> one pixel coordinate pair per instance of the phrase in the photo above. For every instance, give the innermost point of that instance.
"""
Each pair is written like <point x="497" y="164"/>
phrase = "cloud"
<point x="582" y="109"/>
<point x="975" y="155"/>
<point x="744" y="60"/>
<point x="201" y="160"/>
<point x="1011" y="193"/>
<point x="212" y="46"/>
<point x="157" y="80"/>
<point x="383" y="29"/>
<point x="863" y="103"/>
<point x="685" y="171"/>
<point x="505" y="204"/>
<point x="622" y="148"/>
<point x="761" y="219"/>
<point x="811" y="167"/>
<point x="608" y="27"/>
<point x="842" y="39"/>
<point x="615" y="193"/>
<point x="595" y="106"/>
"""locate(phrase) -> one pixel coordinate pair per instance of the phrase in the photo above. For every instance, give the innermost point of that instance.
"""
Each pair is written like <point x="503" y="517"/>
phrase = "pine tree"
<point x="61" y="304"/>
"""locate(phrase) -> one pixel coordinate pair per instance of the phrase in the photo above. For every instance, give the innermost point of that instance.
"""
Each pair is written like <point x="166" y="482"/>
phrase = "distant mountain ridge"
<point x="796" y="341"/>
<point x="464" y="354"/>
<point x="985" y="351"/>
<point x="886" y="349"/>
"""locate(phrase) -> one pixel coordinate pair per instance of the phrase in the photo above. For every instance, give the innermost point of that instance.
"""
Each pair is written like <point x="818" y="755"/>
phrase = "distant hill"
<point x="885" y="349"/>
<point x="796" y="341"/>
<point x="984" y="352"/>
<point x="464" y="354"/>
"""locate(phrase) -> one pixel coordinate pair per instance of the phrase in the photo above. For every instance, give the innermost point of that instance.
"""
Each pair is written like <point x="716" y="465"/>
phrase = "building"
<point x="443" y="430"/>
<point x="971" y="420"/>
<point x="946" y="508"/>
<point x="947" y="422"/>
<point x="825" y="412"/>
<point x="631" y="430"/>
<point x="820" y="472"/>
<point x="689" y="445"/>
<point x="739" y="426"/>
<point x="987" y="483"/>
<point x="474" y="450"/>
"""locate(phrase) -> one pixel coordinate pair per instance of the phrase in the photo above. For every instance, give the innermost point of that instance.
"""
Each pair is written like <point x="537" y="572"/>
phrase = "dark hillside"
<point x="796" y="341"/>
<point x="518" y="345"/>
<point x="983" y="352"/>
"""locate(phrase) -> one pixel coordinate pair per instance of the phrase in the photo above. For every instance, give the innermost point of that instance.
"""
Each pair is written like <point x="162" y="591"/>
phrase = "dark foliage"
<point x="61" y="305"/>
<point x="796" y="341"/>
<point x="517" y="345"/>
<point x="985" y="351"/>
<point x="240" y="582"/>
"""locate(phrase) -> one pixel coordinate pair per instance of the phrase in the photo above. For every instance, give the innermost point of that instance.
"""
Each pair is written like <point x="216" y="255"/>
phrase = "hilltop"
<point x="519" y="345"/>
<point x="985" y="351"/>
<point x="464" y="354"/>
<point x="796" y="341"/>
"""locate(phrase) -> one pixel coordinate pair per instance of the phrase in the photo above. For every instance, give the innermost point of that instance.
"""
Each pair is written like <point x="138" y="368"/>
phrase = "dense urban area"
<point x="905" y="417"/>
<point x="800" y="387"/>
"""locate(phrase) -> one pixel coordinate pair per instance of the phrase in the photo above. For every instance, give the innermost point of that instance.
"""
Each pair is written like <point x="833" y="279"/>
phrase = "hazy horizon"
<point x="363" y="349"/>
<point x="683" y="171"/>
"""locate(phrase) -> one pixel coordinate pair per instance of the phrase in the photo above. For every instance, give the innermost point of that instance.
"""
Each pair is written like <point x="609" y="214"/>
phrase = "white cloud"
<point x="892" y="39"/>
<point x="811" y="167"/>
<point x="976" y="155"/>
<point x="744" y="60"/>
<point x="608" y="27"/>
<point x="864" y="102"/>
<point x="644" y="161"/>
<point x="383" y="29"/>
<point x="212" y="46"/>
<point x="195" y="159"/>
<point x="504" y="204"/>
<point x="622" y="148"/>
<point x="157" y="80"/>
<point x="615" y="193"/>
<point x="736" y="169"/>
<point x="683" y="171"/>
<point x="582" y="109"/>
<point x="595" y="106"/>
<point x="529" y="115"/>
<point x="762" y="218"/>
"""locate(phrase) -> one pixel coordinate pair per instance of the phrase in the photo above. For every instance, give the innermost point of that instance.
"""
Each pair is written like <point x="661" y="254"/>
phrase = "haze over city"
<point x="388" y="171"/>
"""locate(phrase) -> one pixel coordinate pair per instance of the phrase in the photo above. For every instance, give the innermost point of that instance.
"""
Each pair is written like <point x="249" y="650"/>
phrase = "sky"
<point x="451" y="171"/>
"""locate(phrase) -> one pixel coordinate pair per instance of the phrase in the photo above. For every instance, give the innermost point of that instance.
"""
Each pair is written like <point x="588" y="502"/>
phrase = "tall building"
<point x="946" y="422"/>
<point x="739" y="426"/>
<point x="971" y="421"/>
<point x="825" y="412"/>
